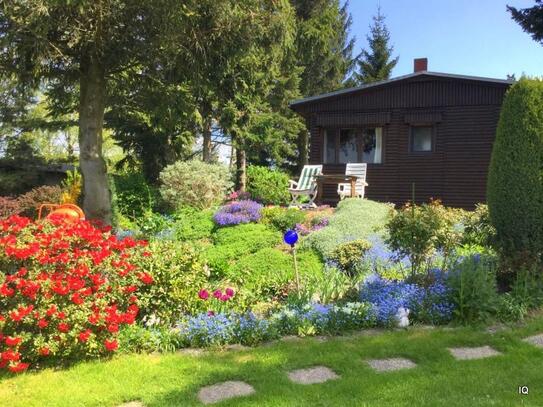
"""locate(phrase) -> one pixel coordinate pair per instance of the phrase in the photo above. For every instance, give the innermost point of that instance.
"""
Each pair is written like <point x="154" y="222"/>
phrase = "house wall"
<point x="464" y="114"/>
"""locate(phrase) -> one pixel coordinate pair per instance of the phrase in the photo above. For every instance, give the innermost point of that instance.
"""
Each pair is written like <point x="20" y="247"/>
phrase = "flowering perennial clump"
<point x="428" y="304"/>
<point x="224" y="328"/>
<point x="66" y="287"/>
<point x="237" y="212"/>
<point x="304" y="230"/>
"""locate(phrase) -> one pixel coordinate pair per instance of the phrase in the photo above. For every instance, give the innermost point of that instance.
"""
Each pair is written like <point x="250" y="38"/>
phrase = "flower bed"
<point x="66" y="288"/>
<point x="237" y="212"/>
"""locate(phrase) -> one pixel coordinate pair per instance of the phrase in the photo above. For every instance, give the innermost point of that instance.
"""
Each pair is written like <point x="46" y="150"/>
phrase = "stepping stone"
<point x="317" y="374"/>
<point x="191" y="352"/>
<point x="473" y="353"/>
<point x="391" y="364"/>
<point x="132" y="404"/>
<point x="536" y="340"/>
<point x="236" y="347"/>
<point x="222" y="391"/>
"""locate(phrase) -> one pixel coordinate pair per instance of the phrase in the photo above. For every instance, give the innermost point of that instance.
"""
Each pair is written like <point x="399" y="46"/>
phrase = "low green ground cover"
<point x="438" y="379"/>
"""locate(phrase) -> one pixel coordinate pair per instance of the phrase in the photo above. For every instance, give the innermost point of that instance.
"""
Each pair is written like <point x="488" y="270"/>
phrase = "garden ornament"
<point x="290" y="238"/>
<point x="69" y="211"/>
<point x="402" y="317"/>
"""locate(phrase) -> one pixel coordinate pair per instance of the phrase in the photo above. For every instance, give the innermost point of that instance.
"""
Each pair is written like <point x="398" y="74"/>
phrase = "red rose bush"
<point x="66" y="287"/>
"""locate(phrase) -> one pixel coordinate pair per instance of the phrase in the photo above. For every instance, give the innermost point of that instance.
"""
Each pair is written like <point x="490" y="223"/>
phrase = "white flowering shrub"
<point x="194" y="183"/>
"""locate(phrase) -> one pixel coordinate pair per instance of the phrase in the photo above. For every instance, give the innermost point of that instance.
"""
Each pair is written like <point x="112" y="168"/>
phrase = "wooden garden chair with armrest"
<point x="359" y="170"/>
<point x="306" y="185"/>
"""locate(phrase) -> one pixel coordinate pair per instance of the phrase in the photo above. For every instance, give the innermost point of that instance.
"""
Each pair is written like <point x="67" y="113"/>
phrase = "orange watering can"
<point x="69" y="211"/>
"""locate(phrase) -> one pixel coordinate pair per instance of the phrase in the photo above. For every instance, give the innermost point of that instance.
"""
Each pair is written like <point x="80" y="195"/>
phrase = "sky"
<point x="469" y="37"/>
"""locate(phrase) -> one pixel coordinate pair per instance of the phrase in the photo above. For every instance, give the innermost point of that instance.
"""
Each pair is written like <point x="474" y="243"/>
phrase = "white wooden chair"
<point x="358" y="170"/>
<point x="306" y="185"/>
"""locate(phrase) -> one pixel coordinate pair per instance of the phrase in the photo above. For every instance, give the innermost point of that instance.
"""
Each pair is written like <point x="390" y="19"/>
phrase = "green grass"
<point x="174" y="379"/>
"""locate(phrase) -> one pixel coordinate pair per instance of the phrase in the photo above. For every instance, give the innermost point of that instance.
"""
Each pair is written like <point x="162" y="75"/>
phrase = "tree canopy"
<point x="376" y="63"/>
<point x="530" y="19"/>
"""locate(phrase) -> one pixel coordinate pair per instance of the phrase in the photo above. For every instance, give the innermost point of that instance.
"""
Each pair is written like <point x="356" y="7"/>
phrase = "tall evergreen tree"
<point x="324" y="51"/>
<point x="75" y="48"/>
<point x="530" y="19"/>
<point x="376" y="63"/>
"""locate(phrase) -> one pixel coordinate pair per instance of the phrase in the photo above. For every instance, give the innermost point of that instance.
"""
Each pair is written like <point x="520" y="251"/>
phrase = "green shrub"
<point x="194" y="183"/>
<point x="419" y="231"/>
<point x="282" y="219"/>
<point x="353" y="219"/>
<point x="267" y="186"/>
<point x="232" y="243"/>
<point x="349" y="255"/>
<point x="134" y="196"/>
<point x="478" y="230"/>
<point x="152" y="223"/>
<point x="178" y="276"/>
<point x="192" y="224"/>
<point x="515" y="179"/>
<point x="473" y="289"/>
<point x="264" y="274"/>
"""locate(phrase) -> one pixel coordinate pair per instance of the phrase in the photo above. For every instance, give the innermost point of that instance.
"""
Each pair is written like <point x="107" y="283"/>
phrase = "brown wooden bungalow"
<point x="431" y="130"/>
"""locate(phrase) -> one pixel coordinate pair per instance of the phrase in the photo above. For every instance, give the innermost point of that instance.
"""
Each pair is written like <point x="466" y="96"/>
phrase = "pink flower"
<point x="224" y="297"/>
<point x="210" y="313"/>
<point x="203" y="294"/>
<point x="230" y="292"/>
<point x="217" y="294"/>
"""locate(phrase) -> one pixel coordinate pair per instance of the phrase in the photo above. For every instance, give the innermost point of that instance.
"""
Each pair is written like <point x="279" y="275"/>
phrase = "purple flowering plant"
<point x="237" y="212"/>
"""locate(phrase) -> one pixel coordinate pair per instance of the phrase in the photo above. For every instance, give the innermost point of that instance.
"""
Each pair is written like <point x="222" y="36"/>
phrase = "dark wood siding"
<point x="464" y="115"/>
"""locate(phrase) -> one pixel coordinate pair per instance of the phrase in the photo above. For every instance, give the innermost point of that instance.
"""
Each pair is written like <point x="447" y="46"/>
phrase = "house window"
<point x="353" y="145"/>
<point x="372" y="141"/>
<point x="421" y="139"/>
<point x="348" y="147"/>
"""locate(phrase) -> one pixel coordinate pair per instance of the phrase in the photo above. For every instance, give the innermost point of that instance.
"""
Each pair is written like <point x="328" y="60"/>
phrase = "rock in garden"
<point x="391" y="364"/>
<point x="536" y="340"/>
<point x="222" y="391"/>
<point x="312" y="375"/>
<point x="473" y="353"/>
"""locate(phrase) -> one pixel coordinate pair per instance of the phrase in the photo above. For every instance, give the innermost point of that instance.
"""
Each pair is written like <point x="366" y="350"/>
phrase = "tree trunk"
<point x="303" y="149"/>
<point x="241" y="166"/>
<point x="97" y="196"/>
<point x="206" y="134"/>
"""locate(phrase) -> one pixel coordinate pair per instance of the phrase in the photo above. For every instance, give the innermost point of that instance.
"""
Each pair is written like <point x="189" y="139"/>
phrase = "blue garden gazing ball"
<point x="290" y="237"/>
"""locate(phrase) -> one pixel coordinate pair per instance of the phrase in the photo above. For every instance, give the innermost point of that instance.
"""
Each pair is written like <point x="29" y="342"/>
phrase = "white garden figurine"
<point x="403" y="317"/>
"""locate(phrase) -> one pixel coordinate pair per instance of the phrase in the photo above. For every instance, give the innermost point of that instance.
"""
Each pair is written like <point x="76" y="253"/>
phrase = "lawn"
<point x="174" y="379"/>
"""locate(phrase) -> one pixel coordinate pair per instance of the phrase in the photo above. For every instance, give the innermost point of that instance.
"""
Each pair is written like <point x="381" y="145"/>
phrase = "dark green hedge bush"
<point x="515" y="181"/>
<point x="267" y="186"/>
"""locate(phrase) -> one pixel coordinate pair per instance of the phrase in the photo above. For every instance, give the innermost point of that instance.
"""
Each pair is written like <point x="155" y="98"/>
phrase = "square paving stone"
<point x="536" y="340"/>
<point x="391" y="364"/>
<point x="473" y="353"/>
<point x="222" y="391"/>
<point x="312" y="375"/>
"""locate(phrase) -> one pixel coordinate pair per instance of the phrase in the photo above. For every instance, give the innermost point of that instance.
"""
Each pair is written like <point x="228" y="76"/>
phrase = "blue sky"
<point x="470" y="37"/>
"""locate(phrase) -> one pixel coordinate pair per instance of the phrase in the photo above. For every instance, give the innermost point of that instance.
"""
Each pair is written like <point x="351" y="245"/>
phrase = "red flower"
<point x="146" y="278"/>
<point x="19" y="367"/>
<point x="52" y="310"/>
<point x="61" y="315"/>
<point x="45" y="351"/>
<point x="6" y="291"/>
<point x="130" y="289"/>
<point x="63" y="327"/>
<point x="77" y="300"/>
<point x="85" y="335"/>
<point x="113" y="328"/>
<point x="42" y="323"/>
<point x="12" y="342"/>
<point x="11" y="355"/>
<point x="203" y="294"/>
<point x="111" y="345"/>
